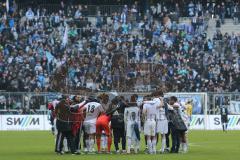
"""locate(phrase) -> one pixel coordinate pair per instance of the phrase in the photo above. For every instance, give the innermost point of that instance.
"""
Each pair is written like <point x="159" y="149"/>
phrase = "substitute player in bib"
<point x="132" y="124"/>
<point x="93" y="110"/>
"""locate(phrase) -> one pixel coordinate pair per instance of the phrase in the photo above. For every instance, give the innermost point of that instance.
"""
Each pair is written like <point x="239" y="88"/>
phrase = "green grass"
<point x="39" y="145"/>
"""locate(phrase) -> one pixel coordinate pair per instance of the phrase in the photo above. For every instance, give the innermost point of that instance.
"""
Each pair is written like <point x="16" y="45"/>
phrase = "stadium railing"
<point x="36" y="103"/>
<point x="92" y="10"/>
<point x="206" y="106"/>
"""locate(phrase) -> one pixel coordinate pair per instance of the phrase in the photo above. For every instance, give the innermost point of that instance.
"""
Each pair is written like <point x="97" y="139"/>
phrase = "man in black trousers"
<point x="176" y="124"/>
<point x="64" y="127"/>
<point x="117" y="123"/>
<point x="224" y="117"/>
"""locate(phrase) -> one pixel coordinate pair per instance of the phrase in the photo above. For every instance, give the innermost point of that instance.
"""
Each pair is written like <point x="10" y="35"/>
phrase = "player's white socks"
<point x="181" y="146"/>
<point x="91" y="144"/>
<point x="65" y="145"/>
<point x="185" y="148"/>
<point x="136" y="148"/>
<point x="129" y="142"/>
<point x="149" y="146"/>
<point x="87" y="144"/>
<point x="154" y="143"/>
<point x="104" y="142"/>
<point x="163" y="143"/>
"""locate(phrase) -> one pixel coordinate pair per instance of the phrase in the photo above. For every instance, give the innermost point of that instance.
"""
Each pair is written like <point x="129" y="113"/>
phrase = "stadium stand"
<point x="64" y="48"/>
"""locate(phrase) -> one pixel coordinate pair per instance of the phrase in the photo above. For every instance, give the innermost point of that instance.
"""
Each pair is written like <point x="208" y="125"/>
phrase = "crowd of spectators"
<point x="122" y="52"/>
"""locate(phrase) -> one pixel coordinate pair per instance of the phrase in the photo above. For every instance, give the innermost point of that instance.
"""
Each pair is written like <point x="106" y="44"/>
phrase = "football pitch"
<point x="39" y="145"/>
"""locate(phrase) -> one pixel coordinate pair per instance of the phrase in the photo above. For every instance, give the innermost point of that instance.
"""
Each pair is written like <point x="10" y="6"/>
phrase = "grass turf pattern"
<point x="39" y="145"/>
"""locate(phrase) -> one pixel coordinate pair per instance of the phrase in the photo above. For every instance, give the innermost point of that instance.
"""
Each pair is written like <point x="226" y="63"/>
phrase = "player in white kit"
<point x="162" y="122"/>
<point x="93" y="110"/>
<point x="54" y="104"/>
<point x="132" y="125"/>
<point x="186" y="120"/>
<point x="150" y="115"/>
<point x="162" y="127"/>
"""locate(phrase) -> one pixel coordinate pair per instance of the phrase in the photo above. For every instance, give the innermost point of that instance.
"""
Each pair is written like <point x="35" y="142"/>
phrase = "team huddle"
<point x="79" y="123"/>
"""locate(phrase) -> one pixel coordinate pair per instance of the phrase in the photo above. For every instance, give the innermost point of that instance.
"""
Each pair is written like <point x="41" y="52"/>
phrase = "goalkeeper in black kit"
<point x="224" y="117"/>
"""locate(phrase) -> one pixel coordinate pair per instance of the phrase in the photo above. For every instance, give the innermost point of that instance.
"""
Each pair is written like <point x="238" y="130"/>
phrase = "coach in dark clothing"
<point x="64" y="127"/>
<point x="117" y="123"/>
<point x="176" y="124"/>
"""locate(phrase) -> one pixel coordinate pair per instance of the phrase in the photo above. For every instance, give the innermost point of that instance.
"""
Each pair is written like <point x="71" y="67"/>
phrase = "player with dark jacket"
<point x="117" y="123"/>
<point x="176" y="124"/>
<point x="64" y="126"/>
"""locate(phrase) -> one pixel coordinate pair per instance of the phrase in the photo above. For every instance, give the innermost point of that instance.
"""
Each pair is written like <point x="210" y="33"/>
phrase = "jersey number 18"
<point x="90" y="108"/>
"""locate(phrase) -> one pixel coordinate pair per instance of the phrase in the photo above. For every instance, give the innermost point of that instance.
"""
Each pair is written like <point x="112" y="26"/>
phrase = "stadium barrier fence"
<point x="28" y="111"/>
<point x="41" y="122"/>
<point x="92" y="10"/>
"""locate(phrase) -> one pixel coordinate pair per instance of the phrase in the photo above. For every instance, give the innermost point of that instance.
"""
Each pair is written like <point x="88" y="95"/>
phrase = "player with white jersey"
<point x="132" y="124"/>
<point x="93" y="110"/>
<point x="162" y="122"/>
<point x="162" y="127"/>
<point x="186" y="120"/>
<point x="150" y="115"/>
<point x="161" y="118"/>
<point x="54" y="104"/>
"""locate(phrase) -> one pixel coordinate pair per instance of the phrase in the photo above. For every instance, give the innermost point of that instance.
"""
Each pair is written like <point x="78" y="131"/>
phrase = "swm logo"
<point x="232" y="121"/>
<point x="23" y="121"/>
<point x="197" y="121"/>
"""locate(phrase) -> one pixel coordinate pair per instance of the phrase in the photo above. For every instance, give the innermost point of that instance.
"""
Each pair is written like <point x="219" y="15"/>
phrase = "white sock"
<point x="87" y="144"/>
<point x="149" y="145"/>
<point x="129" y="143"/>
<point x="103" y="142"/>
<point x="186" y="139"/>
<point x="185" y="147"/>
<point x="136" y="146"/>
<point x="91" y="144"/>
<point x="154" y="142"/>
<point x="181" y="146"/>
<point x="65" y="145"/>
<point x="163" y="143"/>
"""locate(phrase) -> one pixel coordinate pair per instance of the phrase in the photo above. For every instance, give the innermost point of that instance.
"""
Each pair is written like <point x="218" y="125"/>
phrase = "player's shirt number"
<point x="90" y="108"/>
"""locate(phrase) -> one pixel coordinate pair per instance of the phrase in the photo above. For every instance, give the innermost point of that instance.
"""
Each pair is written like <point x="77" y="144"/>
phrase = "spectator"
<point x="128" y="53"/>
<point x="29" y="14"/>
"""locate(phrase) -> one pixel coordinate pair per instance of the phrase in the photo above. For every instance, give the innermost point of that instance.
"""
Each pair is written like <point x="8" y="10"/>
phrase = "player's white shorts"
<point x="150" y="128"/>
<point x="130" y="129"/>
<point x="90" y="128"/>
<point x="162" y="126"/>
